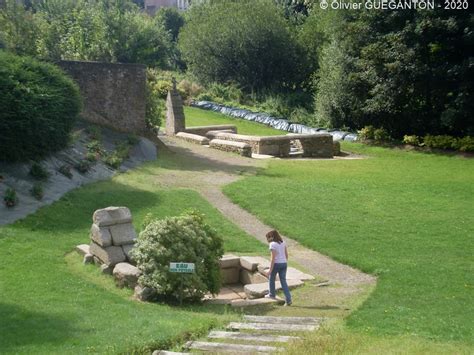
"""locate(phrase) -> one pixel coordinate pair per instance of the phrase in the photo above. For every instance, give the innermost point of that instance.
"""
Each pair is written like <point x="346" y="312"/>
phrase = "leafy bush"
<point x="95" y="132"/>
<point x="246" y="42"/>
<point x="83" y="166"/>
<point x="381" y="135"/>
<point x="411" y="140"/>
<point x="366" y="133"/>
<point x="37" y="191"/>
<point x="465" y="144"/>
<point x="440" y="142"/>
<point x="65" y="170"/>
<point x="38" y="172"/>
<point x="179" y="239"/>
<point x="38" y="107"/>
<point x="114" y="160"/>
<point x="188" y="89"/>
<point x="10" y="198"/>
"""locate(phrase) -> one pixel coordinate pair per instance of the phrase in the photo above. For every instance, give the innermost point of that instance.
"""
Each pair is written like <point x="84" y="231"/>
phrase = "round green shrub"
<point x="38" y="107"/>
<point x="179" y="239"/>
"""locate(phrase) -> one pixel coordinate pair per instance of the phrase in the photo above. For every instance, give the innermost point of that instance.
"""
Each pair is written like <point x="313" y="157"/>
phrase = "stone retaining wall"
<point x="203" y="130"/>
<point x="114" y="94"/>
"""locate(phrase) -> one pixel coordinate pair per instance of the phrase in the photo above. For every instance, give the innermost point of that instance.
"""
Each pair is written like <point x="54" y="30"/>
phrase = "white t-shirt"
<point x="280" y="255"/>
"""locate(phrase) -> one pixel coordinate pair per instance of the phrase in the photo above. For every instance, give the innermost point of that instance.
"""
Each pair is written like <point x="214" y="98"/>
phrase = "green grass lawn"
<point x="199" y="117"/>
<point x="51" y="303"/>
<point x="406" y="217"/>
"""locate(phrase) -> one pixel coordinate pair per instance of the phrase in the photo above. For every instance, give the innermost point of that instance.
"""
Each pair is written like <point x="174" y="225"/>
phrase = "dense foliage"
<point x="408" y="71"/>
<point x="185" y="239"/>
<point x="101" y="30"/>
<point x="247" y="42"/>
<point x="38" y="107"/>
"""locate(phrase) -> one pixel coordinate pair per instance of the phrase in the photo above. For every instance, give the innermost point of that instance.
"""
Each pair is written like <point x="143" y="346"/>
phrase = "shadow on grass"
<point x="74" y="210"/>
<point x="20" y="327"/>
<point x="182" y="158"/>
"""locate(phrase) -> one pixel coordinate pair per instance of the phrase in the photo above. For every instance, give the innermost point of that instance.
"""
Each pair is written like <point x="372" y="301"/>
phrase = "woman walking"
<point x="278" y="265"/>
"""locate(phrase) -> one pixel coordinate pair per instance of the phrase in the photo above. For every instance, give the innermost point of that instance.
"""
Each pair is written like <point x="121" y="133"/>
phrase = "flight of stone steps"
<point x="257" y="334"/>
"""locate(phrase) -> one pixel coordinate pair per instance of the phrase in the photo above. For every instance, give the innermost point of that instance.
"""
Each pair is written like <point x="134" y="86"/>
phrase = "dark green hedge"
<point x="38" y="107"/>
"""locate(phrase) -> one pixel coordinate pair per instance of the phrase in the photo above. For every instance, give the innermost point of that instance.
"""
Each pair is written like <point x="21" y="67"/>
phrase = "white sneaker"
<point x="268" y="296"/>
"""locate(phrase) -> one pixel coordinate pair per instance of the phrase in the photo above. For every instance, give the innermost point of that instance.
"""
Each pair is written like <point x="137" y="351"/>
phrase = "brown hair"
<point x="274" y="236"/>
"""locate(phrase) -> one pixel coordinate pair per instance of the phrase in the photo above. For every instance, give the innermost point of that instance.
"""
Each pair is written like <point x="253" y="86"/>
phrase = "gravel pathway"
<point x="207" y="171"/>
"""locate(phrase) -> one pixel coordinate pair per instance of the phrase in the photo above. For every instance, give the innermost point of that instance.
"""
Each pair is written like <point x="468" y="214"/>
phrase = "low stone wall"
<point x="229" y="146"/>
<point x="193" y="138"/>
<point x="114" y="94"/>
<point x="203" y="130"/>
<point x="314" y="145"/>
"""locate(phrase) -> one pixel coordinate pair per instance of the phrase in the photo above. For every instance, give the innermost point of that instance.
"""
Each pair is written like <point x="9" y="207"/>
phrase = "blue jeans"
<point x="280" y="269"/>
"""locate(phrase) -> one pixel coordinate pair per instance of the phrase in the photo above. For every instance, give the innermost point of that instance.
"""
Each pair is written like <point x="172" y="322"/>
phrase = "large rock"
<point x="123" y="234"/>
<point x="228" y="261"/>
<point x="260" y="290"/>
<point x="83" y="249"/>
<point x="230" y="275"/>
<point x="145" y="294"/>
<point x="248" y="277"/>
<point x="109" y="256"/>
<point x="251" y="262"/>
<point x="126" y="275"/>
<point x="101" y="235"/>
<point x="112" y="215"/>
<point x="127" y="249"/>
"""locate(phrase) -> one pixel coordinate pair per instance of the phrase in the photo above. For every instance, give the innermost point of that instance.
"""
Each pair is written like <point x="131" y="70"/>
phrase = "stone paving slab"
<point x="283" y="320"/>
<point x="222" y="347"/>
<point x="260" y="290"/>
<point x="256" y="302"/>
<point x="272" y="326"/>
<point x="251" y="337"/>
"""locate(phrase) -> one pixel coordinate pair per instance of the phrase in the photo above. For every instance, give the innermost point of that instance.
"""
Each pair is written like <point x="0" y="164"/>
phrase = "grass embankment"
<point x="198" y="117"/>
<point x="51" y="303"/>
<point x="406" y="217"/>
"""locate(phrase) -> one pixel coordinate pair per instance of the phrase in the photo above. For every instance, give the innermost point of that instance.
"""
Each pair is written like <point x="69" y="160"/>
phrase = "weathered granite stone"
<point x="110" y="255"/>
<point x="101" y="235"/>
<point x="145" y="294"/>
<point x="193" y="138"/>
<point x="336" y="148"/>
<point x="230" y="275"/>
<point x="88" y="259"/>
<point x="251" y="262"/>
<point x="256" y="302"/>
<point x="260" y="290"/>
<point x="295" y="274"/>
<point x="228" y="261"/>
<point x="241" y="148"/>
<point x="126" y="275"/>
<point x="248" y="277"/>
<point x="127" y="249"/>
<point x="83" y="249"/>
<point x="112" y="215"/>
<point x="175" y="119"/>
<point x="106" y="269"/>
<point x="204" y="130"/>
<point x="123" y="234"/>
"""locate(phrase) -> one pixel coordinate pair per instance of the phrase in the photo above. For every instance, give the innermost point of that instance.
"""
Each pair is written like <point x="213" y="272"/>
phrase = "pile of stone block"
<point x="112" y="235"/>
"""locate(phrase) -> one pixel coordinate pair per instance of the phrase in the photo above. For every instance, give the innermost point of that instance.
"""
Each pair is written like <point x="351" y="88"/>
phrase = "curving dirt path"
<point x="207" y="171"/>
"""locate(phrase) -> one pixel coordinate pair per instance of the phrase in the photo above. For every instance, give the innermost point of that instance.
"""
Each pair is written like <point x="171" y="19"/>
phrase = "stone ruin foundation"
<point x="112" y="237"/>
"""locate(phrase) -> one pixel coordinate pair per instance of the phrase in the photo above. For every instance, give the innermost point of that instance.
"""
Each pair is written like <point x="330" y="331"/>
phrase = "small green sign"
<point x="182" y="267"/>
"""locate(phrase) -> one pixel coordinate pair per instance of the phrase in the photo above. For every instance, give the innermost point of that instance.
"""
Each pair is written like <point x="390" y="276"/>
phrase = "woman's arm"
<point x="286" y="253"/>
<point x="272" y="262"/>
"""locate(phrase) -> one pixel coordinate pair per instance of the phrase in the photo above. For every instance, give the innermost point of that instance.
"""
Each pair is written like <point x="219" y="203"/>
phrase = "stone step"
<point x="271" y="326"/>
<point x="232" y="348"/>
<point x="164" y="352"/>
<point x="283" y="320"/>
<point x="251" y="337"/>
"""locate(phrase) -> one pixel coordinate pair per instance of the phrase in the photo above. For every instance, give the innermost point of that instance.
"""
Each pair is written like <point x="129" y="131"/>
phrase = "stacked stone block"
<point x="112" y="236"/>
